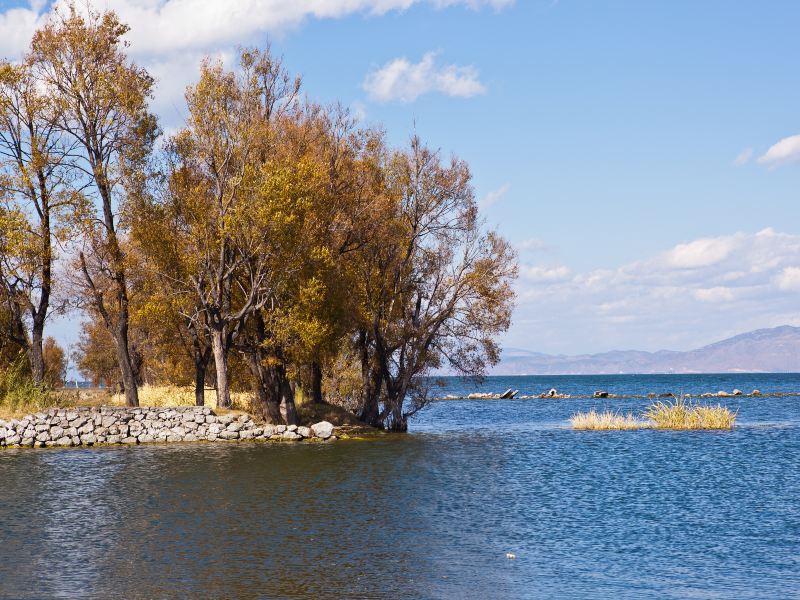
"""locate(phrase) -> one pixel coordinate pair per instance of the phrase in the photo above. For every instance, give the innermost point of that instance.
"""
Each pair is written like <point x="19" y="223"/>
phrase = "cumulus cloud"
<point x="167" y="25"/>
<point x="699" y="253"/>
<point x="687" y="296"/>
<point x="494" y="196"/>
<point x="784" y="151"/>
<point x="405" y="81"/>
<point x="169" y="37"/>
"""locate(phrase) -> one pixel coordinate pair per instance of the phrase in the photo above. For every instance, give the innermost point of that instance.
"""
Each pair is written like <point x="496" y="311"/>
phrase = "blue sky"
<point x="603" y="138"/>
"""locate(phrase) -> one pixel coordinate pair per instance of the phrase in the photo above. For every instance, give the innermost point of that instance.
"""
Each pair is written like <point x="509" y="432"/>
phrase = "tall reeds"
<point x="677" y="414"/>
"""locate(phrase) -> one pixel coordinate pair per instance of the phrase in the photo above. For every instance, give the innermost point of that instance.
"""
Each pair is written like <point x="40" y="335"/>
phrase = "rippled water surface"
<point x="431" y="514"/>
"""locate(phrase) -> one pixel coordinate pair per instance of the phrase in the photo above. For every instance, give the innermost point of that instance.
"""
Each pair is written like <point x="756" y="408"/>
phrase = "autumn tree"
<point x="95" y="353"/>
<point x="55" y="364"/>
<point x="38" y="202"/>
<point x="436" y="288"/>
<point x="231" y="202"/>
<point x="102" y="101"/>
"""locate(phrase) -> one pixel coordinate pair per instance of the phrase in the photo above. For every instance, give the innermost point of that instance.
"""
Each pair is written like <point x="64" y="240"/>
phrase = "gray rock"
<point x="64" y="441"/>
<point x="323" y="429"/>
<point x="89" y="439"/>
<point x="290" y="435"/>
<point x="42" y="436"/>
<point x="269" y="430"/>
<point x="214" y="428"/>
<point x="13" y="440"/>
<point x="229" y="435"/>
<point x="304" y="431"/>
<point x="129" y="440"/>
<point x="246" y="434"/>
<point x="280" y="428"/>
<point x="291" y="428"/>
<point x="211" y="419"/>
<point x="235" y="426"/>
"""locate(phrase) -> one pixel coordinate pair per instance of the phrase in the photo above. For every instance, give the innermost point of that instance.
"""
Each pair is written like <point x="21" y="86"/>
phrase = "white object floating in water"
<point x="510" y="555"/>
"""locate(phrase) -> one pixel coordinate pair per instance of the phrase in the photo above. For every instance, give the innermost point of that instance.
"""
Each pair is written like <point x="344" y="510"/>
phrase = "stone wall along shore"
<point x="112" y="425"/>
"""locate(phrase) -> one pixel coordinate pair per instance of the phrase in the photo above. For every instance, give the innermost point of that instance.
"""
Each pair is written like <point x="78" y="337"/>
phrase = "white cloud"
<point x="16" y="28"/>
<point x="402" y="80"/>
<point x="743" y="157"/>
<point x="169" y="37"/>
<point x="689" y="295"/>
<point x="532" y="245"/>
<point x="167" y="25"/>
<point x="538" y="274"/>
<point x="789" y="279"/>
<point x="784" y="151"/>
<point x="494" y="196"/>
<point x="699" y="253"/>
<point x="714" y="294"/>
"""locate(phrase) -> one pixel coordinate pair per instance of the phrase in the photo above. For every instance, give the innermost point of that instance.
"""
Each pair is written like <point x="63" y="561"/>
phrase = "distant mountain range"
<point x="774" y="350"/>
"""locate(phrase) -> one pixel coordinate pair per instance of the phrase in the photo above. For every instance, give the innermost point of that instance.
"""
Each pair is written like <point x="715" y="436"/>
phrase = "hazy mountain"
<point x="764" y="350"/>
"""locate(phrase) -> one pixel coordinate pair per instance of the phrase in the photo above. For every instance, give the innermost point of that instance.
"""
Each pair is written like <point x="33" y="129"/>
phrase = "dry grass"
<point x="173" y="395"/>
<point x="677" y="414"/>
<point x="682" y="414"/>
<point x="606" y="420"/>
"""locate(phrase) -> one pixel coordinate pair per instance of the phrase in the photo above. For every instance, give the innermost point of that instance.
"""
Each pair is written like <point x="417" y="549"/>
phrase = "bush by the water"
<point x="680" y="414"/>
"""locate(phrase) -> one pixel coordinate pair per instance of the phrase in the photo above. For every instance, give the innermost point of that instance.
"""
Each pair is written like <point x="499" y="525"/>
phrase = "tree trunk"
<point x="266" y="391"/>
<point x="126" y="367"/>
<point x="395" y="419"/>
<point x="287" y="397"/>
<point x="36" y="353"/>
<point x="199" y="383"/>
<point x="200" y="357"/>
<point x="316" y="383"/>
<point x="219" y="346"/>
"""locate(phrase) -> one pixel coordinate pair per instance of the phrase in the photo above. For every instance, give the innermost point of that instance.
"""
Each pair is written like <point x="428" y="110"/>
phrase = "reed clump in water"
<point x="606" y="420"/>
<point x="682" y="414"/>
<point x="677" y="414"/>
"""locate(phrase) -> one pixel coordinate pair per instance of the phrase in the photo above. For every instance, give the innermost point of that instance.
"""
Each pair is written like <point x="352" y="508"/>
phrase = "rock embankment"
<point x="111" y="425"/>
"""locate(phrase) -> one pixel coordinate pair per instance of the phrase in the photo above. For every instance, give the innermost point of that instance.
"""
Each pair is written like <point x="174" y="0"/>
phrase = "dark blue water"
<point x="431" y="514"/>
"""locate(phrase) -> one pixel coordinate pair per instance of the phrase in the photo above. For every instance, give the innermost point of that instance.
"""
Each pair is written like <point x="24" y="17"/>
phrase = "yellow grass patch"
<point x="679" y="414"/>
<point x="605" y="420"/>
<point x="174" y="395"/>
<point x="682" y="414"/>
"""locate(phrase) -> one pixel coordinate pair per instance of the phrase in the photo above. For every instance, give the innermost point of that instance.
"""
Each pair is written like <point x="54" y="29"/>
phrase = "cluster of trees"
<point x="268" y="243"/>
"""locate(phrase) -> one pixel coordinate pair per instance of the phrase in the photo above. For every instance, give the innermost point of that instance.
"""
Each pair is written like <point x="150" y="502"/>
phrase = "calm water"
<point x="644" y="514"/>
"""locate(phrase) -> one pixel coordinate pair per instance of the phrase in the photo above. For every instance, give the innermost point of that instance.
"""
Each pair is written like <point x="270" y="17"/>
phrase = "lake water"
<point x="430" y="514"/>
